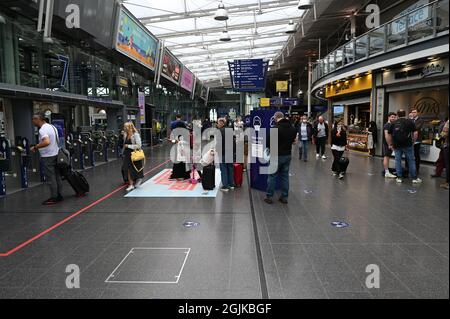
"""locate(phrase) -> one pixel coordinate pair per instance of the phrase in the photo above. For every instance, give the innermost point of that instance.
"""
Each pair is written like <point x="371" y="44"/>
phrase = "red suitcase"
<point x="238" y="175"/>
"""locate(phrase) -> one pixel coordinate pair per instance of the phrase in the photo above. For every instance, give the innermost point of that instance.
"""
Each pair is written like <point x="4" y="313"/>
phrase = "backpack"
<point x="400" y="133"/>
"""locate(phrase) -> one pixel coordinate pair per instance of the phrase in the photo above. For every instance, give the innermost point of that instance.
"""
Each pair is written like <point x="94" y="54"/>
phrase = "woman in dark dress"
<point x="132" y="142"/>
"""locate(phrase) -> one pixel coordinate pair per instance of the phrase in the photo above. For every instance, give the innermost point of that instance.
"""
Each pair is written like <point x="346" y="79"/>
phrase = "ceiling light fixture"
<point x="2" y="19"/>
<point x="291" y="28"/>
<point x="225" y="37"/>
<point x="305" y="4"/>
<point x="221" y="13"/>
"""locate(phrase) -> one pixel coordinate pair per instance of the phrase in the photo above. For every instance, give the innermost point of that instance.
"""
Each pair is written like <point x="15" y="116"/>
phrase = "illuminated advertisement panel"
<point x="187" y="80"/>
<point x="171" y="68"/>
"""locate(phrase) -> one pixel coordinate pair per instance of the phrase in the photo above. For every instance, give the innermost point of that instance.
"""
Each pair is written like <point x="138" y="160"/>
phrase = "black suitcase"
<point x="78" y="183"/>
<point x="209" y="177"/>
<point x="344" y="162"/>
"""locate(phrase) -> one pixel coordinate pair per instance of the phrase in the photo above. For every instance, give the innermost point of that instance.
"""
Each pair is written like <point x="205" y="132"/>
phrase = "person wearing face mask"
<point x="304" y="136"/>
<point x="321" y="132"/>
<point x="339" y="146"/>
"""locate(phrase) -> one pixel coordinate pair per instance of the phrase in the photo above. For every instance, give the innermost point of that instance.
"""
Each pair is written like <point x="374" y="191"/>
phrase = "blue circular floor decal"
<point x="340" y="224"/>
<point x="191" y="224"/>
<point x="307" y="191"/>
<point x="412" y="191"/>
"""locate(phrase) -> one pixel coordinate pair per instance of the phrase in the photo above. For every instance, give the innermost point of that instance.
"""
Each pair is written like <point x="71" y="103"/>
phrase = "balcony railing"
<point x="420" y="24"/>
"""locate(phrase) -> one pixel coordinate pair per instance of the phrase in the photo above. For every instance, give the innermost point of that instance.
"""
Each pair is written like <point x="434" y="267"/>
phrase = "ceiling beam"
<point x="227" y="50"/>
<point x="266" y="55"/>
<point x="210" y="12"/>
<point x="242" y="26"/>
<point x="259" y="36"/>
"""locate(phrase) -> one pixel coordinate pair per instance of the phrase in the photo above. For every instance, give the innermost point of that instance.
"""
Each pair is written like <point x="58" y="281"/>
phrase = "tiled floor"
<point x="296" y="253"/>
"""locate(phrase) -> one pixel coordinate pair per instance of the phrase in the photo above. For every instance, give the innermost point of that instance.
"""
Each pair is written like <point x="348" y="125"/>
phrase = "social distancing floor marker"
<point x="81" y="211"/>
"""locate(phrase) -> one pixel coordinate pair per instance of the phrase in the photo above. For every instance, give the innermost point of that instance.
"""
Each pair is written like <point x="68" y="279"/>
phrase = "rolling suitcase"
<point x="238" y="175"/>
<point x="78" y="183"/>
<point x="344" y="162"/>
<point x="209" y="177"/>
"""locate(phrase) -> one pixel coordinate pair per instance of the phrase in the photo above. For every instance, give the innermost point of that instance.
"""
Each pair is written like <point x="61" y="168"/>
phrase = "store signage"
<point x="351" y="86"/>
<point x="432" y="69"/>
<point x="171" y="68"/>
<point x="282" y="86"/>
<point x="187" y="80"/>
<point x="428" y="107"/>
<point x="248" y="75"/>
<point x="121" y="81"/>
<point x="415" y="16"/>
<point x="135" y="41"/>
<point x="141" y="97"/>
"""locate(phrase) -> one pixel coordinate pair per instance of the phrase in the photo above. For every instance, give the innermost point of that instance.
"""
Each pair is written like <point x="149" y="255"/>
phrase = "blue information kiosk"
<point x="261" y="120"/>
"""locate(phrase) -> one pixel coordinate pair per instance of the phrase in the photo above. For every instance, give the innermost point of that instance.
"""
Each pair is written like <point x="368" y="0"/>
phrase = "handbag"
<point x="137" y="156"/>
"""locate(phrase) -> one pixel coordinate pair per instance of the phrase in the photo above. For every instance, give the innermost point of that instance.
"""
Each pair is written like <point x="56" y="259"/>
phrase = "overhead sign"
<point x="248" y="75"/>
<point x="135" y="41"/>
<point x="187" y="80"/>
<point x="264" y="102"/>
<point x="351" y="86"/>
<point x="282" y="86"/>
<point x="171" y="68"/>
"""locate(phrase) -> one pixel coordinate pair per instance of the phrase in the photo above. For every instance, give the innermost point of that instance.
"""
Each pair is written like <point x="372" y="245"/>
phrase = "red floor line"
<point x="26" y="243"/>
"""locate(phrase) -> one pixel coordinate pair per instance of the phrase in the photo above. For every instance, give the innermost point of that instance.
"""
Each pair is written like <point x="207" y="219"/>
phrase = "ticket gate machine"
<point x="74" y="144"/>
<point x="5" y="163"/>
<point x="113" y="144"/>
<point x="88" y="149"/>
<point x="100" y="146"/>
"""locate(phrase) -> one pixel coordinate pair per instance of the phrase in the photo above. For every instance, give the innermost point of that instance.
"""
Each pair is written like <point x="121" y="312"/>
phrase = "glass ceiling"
<point x="256" y="27"/>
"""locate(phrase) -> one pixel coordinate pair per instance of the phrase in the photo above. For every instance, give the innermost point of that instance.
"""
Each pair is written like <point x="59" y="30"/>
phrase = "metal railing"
<point x="420" y="24"/>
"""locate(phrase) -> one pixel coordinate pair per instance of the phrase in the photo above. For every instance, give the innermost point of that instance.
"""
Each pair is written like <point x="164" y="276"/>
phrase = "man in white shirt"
<point x="48" y="149"/>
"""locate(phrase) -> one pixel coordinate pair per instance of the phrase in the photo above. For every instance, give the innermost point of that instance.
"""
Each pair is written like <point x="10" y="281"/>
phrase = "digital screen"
<point x="135" y="41"/>
<point x="187" y="80"/>
<point x="171" y="68"/>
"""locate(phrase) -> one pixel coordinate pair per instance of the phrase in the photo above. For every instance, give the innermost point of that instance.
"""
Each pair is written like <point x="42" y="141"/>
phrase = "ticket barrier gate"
<point x="74" y="144"/>
<point x="17" y="176"/>
<point x="5" y="163"/>
<point x="100" y="146"/>
<point x="88" y="149"/>
<point x="113" y="144"/>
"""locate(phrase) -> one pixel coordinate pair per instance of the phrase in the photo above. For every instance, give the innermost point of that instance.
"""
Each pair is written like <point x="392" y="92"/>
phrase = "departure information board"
<point x="248" y="75"/>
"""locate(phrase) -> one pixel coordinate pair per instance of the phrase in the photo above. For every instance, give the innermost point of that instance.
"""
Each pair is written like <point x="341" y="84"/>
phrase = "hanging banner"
<point x="171" y="68"/>
<point x="135" y="41"/>
<point x="141" y="97"/>
<point x="187" y="80"/>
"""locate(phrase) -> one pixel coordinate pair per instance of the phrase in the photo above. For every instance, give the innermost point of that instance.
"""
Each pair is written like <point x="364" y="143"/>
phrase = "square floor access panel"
<point x="151" y="266"/>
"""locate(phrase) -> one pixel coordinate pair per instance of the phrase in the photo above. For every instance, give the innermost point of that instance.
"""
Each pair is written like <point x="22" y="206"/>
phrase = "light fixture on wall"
<point x="305" y="4"/>
<point x="221" y="13"/>
<point x="291" y="28"/>
<point x="2" y="19"/>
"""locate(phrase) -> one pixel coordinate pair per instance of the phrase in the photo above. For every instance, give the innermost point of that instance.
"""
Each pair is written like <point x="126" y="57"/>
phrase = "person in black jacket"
<point x="373" y="129"/>
<point x="286" y="138"/>
<point x="339" y="145"/>
<point x="321" y="134"/>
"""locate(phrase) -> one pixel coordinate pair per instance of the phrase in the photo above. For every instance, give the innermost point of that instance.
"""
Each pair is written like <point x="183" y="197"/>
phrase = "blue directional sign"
<point x="248" y="75"/>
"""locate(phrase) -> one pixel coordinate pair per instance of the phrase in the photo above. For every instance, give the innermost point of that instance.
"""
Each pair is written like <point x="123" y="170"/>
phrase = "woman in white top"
<point x="132" y="142"/>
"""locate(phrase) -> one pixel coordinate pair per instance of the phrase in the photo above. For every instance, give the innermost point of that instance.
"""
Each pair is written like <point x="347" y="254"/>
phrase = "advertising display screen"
<point x="187" y="79"/>
<point x="171" y="68"/>
<point x="135" y="41"/>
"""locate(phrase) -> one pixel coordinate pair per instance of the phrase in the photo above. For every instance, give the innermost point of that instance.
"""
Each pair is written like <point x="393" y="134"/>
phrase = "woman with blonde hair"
<point x="132" y="142"/>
